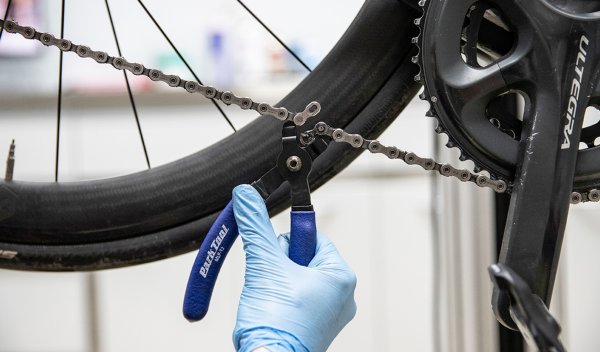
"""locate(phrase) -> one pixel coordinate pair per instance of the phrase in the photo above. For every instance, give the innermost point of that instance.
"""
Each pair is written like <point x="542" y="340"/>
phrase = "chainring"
<point x="484" y="37"/>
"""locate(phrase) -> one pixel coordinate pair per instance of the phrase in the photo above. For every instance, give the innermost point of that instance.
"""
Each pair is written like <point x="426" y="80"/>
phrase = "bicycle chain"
<point x="227" y="97"/>
<point x="375" y="147"/>
<point x="264" y="109"/>
<point x="281" y="113"/>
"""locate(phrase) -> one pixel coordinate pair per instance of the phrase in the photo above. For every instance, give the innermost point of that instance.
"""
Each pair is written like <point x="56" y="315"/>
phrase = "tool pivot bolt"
<point x="294" y="163"/>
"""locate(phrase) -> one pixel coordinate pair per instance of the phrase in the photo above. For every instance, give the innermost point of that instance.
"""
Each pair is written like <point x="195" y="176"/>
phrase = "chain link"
<point x="121" y="63"/>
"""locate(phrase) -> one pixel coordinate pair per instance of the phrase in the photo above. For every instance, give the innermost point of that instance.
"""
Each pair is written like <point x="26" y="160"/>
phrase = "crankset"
<point x="477" y="57"/>
<point x="509" y="82"/>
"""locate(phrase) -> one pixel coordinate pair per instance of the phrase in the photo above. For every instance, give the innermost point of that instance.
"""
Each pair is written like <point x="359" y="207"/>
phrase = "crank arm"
<point x="544" y="177"/>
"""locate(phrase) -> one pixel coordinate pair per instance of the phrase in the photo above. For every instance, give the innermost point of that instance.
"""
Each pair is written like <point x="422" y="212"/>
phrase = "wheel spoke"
<point x="129" y="92"/>
<point x="184" y="61"/>
<point x="274" y="36"/>
<point x="59" y="99"/>
<point x="5" y="17"/>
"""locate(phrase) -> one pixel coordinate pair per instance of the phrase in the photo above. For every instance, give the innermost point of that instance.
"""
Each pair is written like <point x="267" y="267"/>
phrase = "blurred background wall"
<point x="412" y="285"/>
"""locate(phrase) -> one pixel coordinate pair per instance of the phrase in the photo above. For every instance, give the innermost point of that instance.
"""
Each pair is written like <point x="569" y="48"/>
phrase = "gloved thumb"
<point x="254" y="224"/>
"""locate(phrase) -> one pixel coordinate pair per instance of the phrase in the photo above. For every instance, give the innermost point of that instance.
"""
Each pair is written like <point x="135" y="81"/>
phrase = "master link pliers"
<point x="293" y="165"/>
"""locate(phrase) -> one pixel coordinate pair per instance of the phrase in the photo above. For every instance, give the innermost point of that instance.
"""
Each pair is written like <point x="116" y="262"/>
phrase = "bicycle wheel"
<point x="362" y="85"/>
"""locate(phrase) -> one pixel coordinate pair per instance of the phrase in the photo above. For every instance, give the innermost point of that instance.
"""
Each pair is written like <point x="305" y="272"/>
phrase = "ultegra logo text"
<point x="214" y="252"/>
<point x="575" y="89"/>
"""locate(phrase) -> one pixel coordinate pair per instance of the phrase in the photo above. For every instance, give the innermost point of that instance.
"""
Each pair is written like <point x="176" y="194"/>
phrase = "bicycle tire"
<point x="362" y="85"/>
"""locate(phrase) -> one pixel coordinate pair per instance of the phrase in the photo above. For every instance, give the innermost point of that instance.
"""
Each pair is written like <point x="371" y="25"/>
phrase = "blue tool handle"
<point x="303" y="237"/>
<point x="207" y="265"/>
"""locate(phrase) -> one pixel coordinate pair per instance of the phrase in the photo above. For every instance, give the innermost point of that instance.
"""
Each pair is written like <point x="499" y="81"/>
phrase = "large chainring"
<point x="464" y="86"/>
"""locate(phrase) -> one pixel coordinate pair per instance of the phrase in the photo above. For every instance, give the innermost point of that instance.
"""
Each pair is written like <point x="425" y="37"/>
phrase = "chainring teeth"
<point x="426" y="96"/>
<point x="418" y="40"/>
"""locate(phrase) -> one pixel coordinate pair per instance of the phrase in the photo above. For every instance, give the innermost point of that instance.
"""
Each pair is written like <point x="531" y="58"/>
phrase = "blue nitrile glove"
<point x="285" y="306"/>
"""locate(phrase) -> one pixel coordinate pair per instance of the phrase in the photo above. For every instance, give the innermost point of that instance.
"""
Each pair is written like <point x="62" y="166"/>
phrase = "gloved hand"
<point x="285" y="306"/>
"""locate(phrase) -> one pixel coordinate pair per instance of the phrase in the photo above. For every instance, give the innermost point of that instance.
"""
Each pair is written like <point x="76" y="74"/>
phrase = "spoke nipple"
<point x="10" y="162"/>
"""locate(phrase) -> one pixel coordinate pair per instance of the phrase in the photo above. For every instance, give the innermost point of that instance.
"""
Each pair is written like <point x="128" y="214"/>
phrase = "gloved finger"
<point x="284" y="243"/>
<point x="254" y="223"/>
<point x="348" y="312"/>
<point x="327" y="255"/>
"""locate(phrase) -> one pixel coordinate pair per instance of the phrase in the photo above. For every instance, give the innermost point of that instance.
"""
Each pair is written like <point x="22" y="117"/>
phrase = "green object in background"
<point x="169" y="62"/>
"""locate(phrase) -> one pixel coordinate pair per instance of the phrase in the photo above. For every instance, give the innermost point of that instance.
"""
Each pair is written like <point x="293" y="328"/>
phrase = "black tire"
<point x="362" y="85"/>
